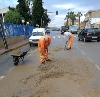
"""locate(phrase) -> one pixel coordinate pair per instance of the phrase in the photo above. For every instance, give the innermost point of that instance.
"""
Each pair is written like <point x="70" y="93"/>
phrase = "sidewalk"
<point x="13" y="46"/>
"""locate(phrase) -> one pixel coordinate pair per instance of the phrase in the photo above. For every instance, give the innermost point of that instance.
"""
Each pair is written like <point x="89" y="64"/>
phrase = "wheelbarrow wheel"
<point x="15" y="60"/>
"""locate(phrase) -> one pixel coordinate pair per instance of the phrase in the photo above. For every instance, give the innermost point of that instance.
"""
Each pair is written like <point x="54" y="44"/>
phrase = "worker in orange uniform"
<point x="70" y="37"/>
<point x="43" y="44"/>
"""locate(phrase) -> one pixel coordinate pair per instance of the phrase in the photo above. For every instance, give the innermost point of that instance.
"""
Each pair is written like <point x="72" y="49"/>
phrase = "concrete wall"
<point x="11" y="40"/>
<point x="95" y="14"/>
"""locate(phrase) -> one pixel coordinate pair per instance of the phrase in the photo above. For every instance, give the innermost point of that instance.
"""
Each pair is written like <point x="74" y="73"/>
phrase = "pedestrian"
<point x="70" y="37"/>
<point x="43" y="44"/>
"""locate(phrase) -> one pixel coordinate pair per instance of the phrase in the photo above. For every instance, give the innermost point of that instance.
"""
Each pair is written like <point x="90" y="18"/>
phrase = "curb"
<point x="13" y="48"/>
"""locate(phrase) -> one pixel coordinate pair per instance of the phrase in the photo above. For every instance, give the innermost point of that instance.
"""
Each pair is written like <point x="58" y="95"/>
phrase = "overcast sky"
<point x="62" y="6"/>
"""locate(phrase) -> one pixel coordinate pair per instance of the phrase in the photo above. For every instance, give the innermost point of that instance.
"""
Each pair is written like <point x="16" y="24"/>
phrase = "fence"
<point x="13" y="30"/>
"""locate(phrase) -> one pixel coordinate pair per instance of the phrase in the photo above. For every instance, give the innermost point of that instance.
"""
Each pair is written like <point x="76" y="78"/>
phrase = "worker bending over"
<point x="70" y="37"/>
<point x="43" y="44"/>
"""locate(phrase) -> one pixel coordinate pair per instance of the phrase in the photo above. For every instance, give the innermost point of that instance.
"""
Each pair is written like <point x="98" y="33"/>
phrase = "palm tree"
<point x="79" y="15"/>
<point x="72" y="16"/>
<point x="67" y="17"/>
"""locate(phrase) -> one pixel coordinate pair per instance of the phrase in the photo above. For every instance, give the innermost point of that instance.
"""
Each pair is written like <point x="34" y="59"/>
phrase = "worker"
<point x="43" y="44"/>
<point x="70" y="37"/>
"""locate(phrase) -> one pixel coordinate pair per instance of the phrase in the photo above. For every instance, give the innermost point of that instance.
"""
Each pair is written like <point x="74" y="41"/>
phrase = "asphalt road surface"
<point x="72" y="73"/>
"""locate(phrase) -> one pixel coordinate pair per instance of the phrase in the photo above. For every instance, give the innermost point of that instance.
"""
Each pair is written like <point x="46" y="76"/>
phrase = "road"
<point x="78" y="66"/>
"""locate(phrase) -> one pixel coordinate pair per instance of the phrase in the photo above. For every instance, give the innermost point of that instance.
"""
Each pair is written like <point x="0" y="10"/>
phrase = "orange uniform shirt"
<point x="43" y="43"/>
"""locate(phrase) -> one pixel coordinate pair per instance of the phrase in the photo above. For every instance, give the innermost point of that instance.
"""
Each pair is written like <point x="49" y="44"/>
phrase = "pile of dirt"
<point x="70" y="74"/>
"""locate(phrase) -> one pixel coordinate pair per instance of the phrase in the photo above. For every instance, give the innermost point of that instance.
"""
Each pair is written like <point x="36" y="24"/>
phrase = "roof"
<point x="91" y="11"/>
<point x="4" y="10"/>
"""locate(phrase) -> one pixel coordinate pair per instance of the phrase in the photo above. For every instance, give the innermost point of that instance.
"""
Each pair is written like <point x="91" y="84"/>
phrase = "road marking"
<point x="97" y="67"/>
<point x="64" y="36"/>
<point x="2" y="77"/>
<point x="30" y="54"/>
<point x="90" y="59"/>
<point x="79" y="43"/>
<point x="54" y="37"/>
<point x="83" y="53"/>
<point x="34" y="50"/>
<point x="58" y="36"/>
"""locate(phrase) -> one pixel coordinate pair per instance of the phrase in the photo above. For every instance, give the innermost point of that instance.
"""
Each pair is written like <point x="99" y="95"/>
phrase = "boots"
<point x="43" y="63"/>
<point x="68" y="48"/>
<point x="49" y="60"/>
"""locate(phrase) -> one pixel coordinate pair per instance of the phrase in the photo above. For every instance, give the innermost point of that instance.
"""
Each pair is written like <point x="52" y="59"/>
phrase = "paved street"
<point x="73" y="73"/>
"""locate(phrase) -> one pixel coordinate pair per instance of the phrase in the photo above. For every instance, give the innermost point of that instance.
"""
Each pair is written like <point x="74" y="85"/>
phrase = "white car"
<point x="36" y="35"/>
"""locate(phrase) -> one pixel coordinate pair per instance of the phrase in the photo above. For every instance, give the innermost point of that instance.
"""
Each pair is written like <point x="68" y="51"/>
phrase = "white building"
<point x="92" y="17"/>
<point x="3" y="12"/>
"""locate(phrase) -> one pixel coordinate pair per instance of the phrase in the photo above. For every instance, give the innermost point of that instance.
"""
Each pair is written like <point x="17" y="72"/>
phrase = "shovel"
<point x="65" y="45"/>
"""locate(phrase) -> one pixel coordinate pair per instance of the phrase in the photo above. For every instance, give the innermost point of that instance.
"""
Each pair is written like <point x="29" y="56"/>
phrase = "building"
<point x="3" y="12"/>
<point x="82" y="25"/>
<point x="92" y="17"/>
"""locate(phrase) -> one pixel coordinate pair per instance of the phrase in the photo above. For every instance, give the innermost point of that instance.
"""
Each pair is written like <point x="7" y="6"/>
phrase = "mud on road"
<point x="63" y="77"/>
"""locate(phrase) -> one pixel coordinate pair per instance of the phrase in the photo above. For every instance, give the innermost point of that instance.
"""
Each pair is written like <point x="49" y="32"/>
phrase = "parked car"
<point x="73" y="29"/>
<point x="63" y="28"/>
<point x="36" y="35"/>
<point x="89" y="34"/>
<point x="55" y="29"/>
<point x="47" y="31"/>
<point x="39" y="30"/>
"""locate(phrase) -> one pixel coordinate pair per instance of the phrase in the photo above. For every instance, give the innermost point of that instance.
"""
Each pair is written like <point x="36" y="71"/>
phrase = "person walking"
<point x="70" y="37"/>
<point x="43" y="44"/>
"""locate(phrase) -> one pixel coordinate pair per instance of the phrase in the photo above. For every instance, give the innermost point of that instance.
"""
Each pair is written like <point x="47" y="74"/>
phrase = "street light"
<point x="23" y="21"/>
<point x="28" y="28"/>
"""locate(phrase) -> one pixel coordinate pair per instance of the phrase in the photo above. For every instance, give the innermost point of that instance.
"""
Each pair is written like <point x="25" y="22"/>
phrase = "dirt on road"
<point x="63" y="77"/>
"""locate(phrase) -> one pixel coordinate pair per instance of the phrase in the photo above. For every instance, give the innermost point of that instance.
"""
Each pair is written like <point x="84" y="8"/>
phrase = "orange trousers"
<point x="70" y="41"/>
<point x="42" y="57"/>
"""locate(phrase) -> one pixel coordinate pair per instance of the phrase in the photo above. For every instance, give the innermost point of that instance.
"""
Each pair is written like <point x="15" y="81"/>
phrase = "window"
<point x="37" y="34"/>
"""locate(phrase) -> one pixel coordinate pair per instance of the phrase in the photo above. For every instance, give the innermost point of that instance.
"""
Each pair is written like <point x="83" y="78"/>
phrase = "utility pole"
<point x="3" y="34"/>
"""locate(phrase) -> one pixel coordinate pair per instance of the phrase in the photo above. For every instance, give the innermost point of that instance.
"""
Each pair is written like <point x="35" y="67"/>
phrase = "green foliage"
<point x="23" y="9"/>
<point x="13" y="17"/>
<point x="79" y="15"/>
<point x="45" y="18"/>
<point x="71" y="15"/>
<point x="37" y="12"/>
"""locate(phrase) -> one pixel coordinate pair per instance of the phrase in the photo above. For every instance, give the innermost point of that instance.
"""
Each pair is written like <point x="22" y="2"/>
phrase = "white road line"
<point x="78" y="48"/>
<point x="2" y="77"/>
<point x="64" y="36"/>
<point x="83" y="53"/>
<point x="31" y="53"/>
<point x="90" y="59"/>
<point x="54" y="37"/>
<point x="97" y="67"/>
<point x="79" y="43"/>
<point x="34" y="50"/>
<point x="58" y="36"/>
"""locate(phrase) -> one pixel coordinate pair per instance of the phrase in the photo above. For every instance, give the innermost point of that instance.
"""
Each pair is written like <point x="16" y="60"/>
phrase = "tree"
<point x="37" y="12"/>
<point x="67" y="17"/>
<point x="23" y="9"/>
<point x="45" y="18"/>
<point x="13" y="16"/>
<point x="79" y="15"/>
<point x="72" y="16"/>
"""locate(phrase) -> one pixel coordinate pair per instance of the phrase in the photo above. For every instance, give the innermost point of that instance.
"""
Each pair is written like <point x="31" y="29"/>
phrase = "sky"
<point x="63" y="7"/>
